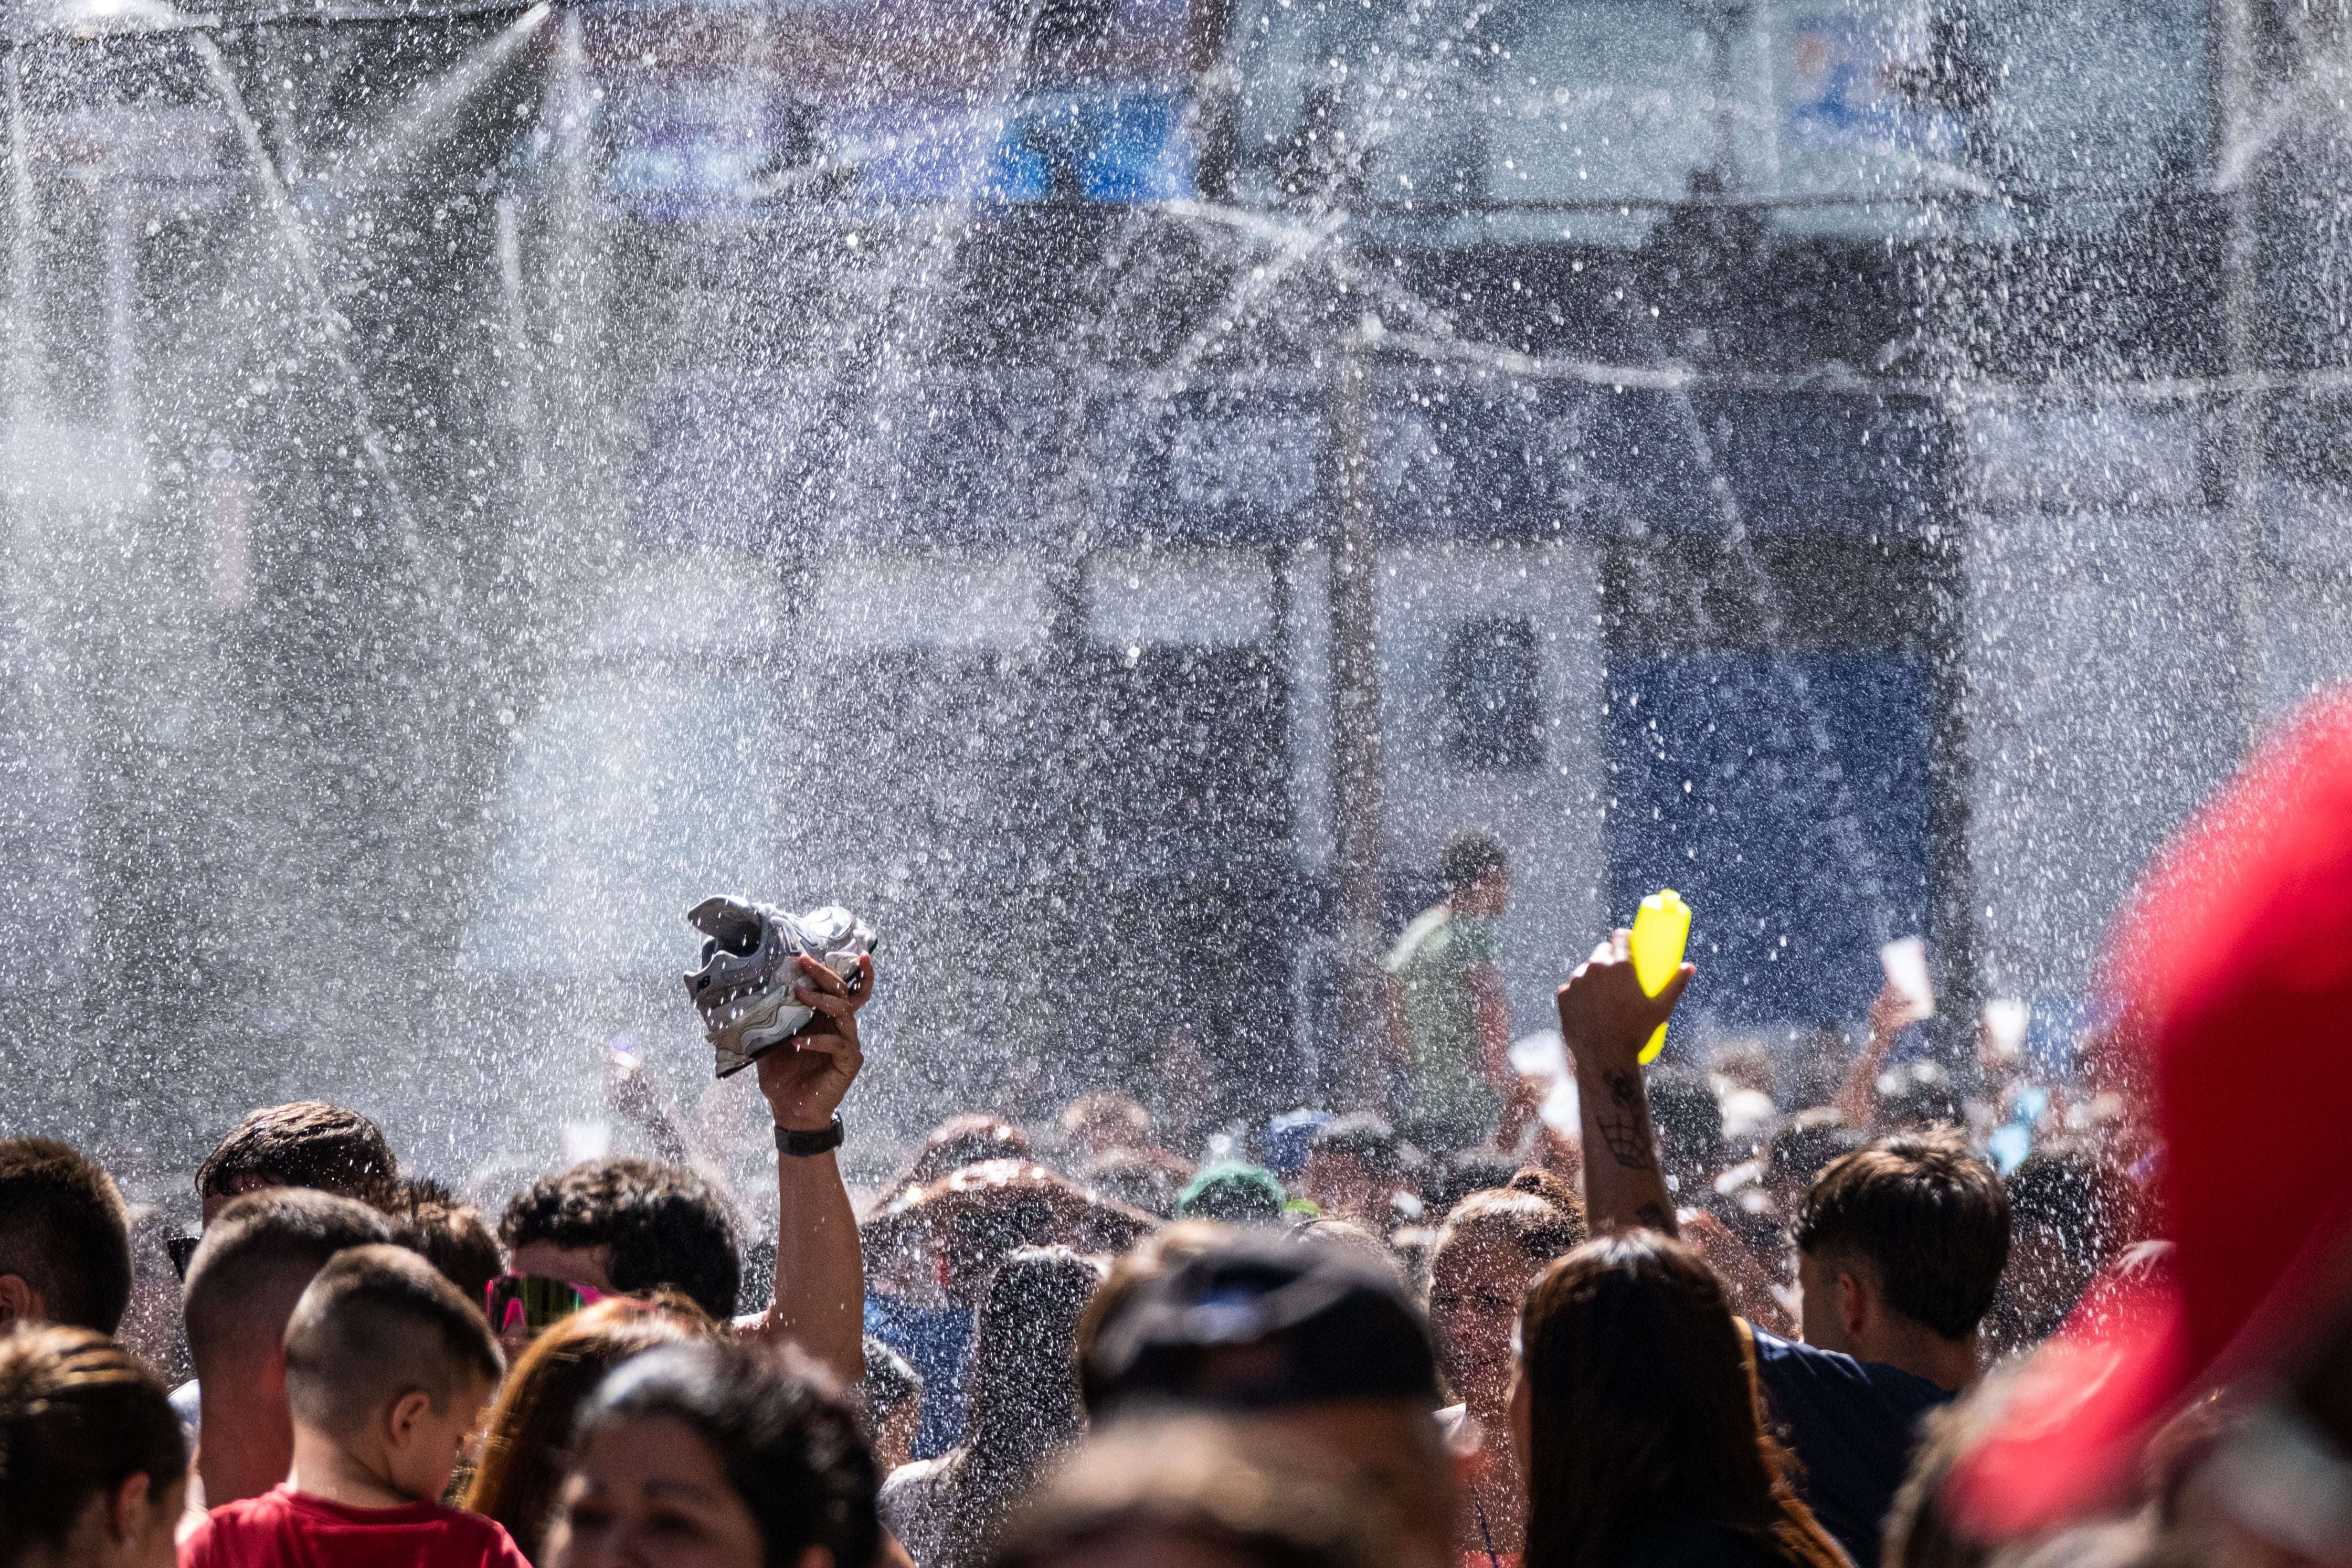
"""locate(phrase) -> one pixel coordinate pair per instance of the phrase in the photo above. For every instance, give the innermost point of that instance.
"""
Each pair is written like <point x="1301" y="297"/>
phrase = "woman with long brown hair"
<point x="1636" y="1413"/>
<point x="528" y="1440"/>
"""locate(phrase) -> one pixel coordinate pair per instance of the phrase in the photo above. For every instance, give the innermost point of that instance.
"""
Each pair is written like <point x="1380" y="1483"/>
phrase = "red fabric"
<point x="286" y="1529"/>
<point x="2234" y="966"/>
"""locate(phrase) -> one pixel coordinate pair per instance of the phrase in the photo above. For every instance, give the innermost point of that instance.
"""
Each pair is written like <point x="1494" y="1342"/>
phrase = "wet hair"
<point x="1553" y="1188"/>
<point x="309" y="1143"/>
<point x="78" y="1416"/>
<point x="1538" y="1229"/>
<point x="891" y="1383"/>
<point x="1688" y="1118"/>
<point x="1020" y="1389"/>
<point x="1468" y="857"/>
<point x="961" y="1141"/>
<point x="1365" y="1137"/>
<point x="65" y="1232"/>
<point x="452" y="1236"/>
<point x="1351" y="1241"/>
<point x="790" y="1447"/>
<point x="1928" y="1217"/>
<point x="259" y="1254"/>
<point x="1644" y="1410"/>
<point x="1137" y="1179"/>
<point x="1118" y="1113"/>
<point x="1457" y="1176"/>
<point x="376" y="1323"/>
<point x="1918" y="1097"/>
<point x="667" y="1227"/>
<point x="1807" y="1145"/>
<point x="528" y="1440"/>
<point x="1199" y="1480"/>
<point x="1292" y="1325"/>
<point x="2063" y="1186"/>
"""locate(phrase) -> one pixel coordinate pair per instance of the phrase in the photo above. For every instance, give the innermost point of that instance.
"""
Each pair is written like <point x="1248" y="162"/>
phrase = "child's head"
<point x="391" y="1362"/>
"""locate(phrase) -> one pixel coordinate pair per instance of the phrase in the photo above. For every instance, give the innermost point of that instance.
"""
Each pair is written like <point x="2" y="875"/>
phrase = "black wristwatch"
<point x="802" y="1144"/>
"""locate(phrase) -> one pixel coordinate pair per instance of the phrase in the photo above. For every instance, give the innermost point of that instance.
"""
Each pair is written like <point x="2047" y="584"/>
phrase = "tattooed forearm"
<point x="1624" y="1122"/>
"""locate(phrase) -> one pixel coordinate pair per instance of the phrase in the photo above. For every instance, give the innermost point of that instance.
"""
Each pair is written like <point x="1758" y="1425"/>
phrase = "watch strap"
<point x="802" y="1144"/>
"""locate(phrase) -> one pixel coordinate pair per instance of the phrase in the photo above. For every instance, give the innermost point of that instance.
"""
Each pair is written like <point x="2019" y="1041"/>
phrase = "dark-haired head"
<point x="381" y="1343"/>
<point x="1635" y="1406"/>
<point x="965" y="1139"/>
<point x="654" y="1226"/>
<point x="1916" y="1223"/>
<point x="756" y="1462"/>
<point x="90" y="1451"/>
<point x="452" y="1236"/>
<point x="64" y="1238"/>
<point x="309" y="1143"/>
<point x="1471" y="856"/>
<point x="1023" y="1387"/>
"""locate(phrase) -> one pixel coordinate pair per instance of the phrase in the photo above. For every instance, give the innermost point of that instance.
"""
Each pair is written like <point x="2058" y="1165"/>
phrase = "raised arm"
<point x="1605" y="1018"/>
<point x="636" y="1098"/>
<point x="1890" y="1011"/>
<point x="820" y="1301"/>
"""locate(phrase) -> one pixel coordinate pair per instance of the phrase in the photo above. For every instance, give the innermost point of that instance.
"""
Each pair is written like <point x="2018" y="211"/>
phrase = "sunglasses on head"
<point x="531" y="1302"/>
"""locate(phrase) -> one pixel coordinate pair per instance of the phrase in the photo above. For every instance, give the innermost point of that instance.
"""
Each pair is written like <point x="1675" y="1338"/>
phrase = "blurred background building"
<point x="479" y="480"/>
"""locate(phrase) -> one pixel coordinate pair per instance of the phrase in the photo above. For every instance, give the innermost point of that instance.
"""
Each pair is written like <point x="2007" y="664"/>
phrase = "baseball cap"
<point x="1259" y="1322"/>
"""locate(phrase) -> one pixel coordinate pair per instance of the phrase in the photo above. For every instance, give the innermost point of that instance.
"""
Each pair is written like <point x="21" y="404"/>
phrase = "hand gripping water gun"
<point x="1661" y="928"/>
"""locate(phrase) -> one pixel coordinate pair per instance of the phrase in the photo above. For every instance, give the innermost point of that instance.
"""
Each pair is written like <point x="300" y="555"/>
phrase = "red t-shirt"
<point x="286" y="1529"/>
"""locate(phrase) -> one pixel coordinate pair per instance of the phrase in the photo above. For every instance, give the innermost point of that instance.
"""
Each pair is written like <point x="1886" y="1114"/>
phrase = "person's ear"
<point x="20" y="1303"/>
<point x="1855" y="1305"/>
<point x="126" y="1509"/>
<point x="406" y="1411"/>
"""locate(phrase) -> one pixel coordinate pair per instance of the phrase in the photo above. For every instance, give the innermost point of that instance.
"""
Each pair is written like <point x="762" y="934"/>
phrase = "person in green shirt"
<point x="1449" y="1022"/>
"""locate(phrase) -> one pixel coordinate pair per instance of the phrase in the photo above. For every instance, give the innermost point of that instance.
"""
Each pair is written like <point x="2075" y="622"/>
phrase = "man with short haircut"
<point x="1304" y="1347"/>
<point x="307" y="1144"/>
<point x="64" y="1238"/>
<point x="1901" y="1244"/>
<point x="258" y="1256"/>
<point x="387" y="1366"/>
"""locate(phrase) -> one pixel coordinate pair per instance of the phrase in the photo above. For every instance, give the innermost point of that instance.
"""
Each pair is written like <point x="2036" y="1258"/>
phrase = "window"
<point x="1492" y="708"/>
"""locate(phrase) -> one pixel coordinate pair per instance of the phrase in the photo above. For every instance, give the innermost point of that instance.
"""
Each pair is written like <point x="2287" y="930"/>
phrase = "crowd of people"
<point x="1740" y="1312"/>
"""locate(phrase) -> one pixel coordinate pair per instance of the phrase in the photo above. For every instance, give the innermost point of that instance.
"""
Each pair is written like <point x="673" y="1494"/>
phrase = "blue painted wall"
<point x="1786" y="799"/>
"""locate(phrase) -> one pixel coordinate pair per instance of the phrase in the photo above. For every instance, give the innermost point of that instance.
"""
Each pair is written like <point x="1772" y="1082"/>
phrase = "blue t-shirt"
<point x="1851" y="1423"/>
<point x="935" y="1342"/>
